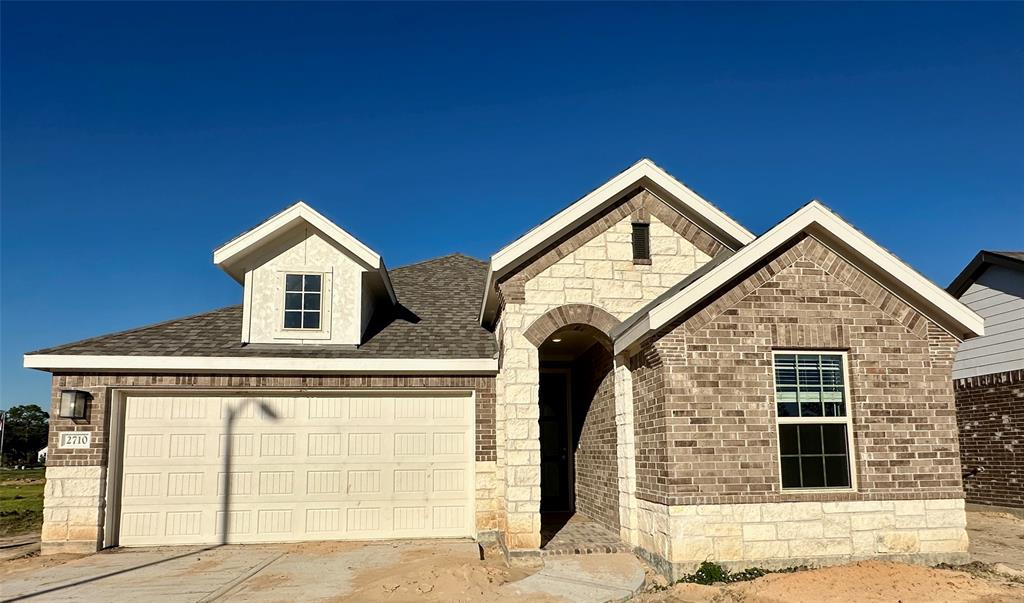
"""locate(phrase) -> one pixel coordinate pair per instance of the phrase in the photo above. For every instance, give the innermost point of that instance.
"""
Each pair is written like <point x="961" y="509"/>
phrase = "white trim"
<point x="325" y="318"/>
<point x="645" y="168"/>
<point x="287" y="218"/>
<point x="115" y="477"/>
<point x="644" y="172"/>
<point x="816" y="219"/>
<point x="844" y="420"/>
<point x="52" y="362"/>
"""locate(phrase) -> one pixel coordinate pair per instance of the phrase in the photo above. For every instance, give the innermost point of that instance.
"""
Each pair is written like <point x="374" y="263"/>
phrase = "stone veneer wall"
<point x="73" y="513"/>
<point x="597" y="487"/>
<point x="676" y="539"/>
<point x="592" y="266"/>
<point x="706" y="434"/>
<point x="990" y="412"/>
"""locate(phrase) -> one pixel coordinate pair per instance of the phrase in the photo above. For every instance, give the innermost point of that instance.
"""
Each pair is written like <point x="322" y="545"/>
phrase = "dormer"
<point x="306" y="280"/>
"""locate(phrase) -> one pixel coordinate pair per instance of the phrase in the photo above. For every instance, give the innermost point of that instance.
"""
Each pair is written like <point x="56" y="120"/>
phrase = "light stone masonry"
<point x="600" y="272"/>
<point x="486" y="501"/>
<point x="676" y="539"/>
<point x="73" y="509"/>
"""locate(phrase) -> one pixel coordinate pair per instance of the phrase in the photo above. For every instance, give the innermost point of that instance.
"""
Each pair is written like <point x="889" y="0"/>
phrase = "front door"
<point x="556" y="486"/>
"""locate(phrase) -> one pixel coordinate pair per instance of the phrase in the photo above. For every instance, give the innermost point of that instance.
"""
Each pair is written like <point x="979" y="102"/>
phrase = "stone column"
<point x="626" y="452"/>
<point x="521" y="377"/>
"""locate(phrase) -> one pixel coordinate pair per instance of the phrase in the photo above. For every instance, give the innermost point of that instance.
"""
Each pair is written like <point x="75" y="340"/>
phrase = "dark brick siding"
<point x="704" y="397"/>
<point x="597" y="485"/>
<point x="990" y="412"/>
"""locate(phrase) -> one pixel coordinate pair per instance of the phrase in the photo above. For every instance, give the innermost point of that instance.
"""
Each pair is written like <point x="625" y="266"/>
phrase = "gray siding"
<point x="998" y="297"/>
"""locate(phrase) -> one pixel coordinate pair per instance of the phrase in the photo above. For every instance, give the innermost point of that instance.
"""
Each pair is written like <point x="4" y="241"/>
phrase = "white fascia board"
<point x="57" y="362"/>
<point x="814" y="213"/>
<point x="385" y="277"/>
<point x="580" y="210"/>
<point x="287" y="218"/>
<point x="488" y="302"/>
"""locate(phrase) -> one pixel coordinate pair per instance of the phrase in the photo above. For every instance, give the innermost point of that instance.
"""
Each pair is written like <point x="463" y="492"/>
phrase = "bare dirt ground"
<point x="32" y="562"/>
<point x="429" y="572"/>
<point x="995" y="576"/>
<point x="996" y="538"/>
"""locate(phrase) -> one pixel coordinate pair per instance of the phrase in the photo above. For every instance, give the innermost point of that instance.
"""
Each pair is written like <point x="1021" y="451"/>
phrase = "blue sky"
<point x="137" y="137"/>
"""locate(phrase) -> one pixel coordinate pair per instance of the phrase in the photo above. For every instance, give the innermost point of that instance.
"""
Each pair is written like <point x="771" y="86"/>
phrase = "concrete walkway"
<point x="584" y="578"/>
<point x="442" y="570"/>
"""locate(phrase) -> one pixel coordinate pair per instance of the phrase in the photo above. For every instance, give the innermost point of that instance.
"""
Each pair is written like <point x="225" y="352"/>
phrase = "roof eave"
<point x="815" y="219"/>
<point x="979" y="264"/>
<point x="229" y="255"/>
<point x="643" y="173"/>
<point x="231" y="364"/>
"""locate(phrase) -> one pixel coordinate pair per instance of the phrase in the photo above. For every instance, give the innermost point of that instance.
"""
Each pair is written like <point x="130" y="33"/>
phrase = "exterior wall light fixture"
<point x="73" y="403"/>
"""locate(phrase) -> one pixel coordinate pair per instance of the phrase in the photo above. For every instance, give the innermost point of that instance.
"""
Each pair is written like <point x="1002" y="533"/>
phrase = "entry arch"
<point x="569" y="314"/>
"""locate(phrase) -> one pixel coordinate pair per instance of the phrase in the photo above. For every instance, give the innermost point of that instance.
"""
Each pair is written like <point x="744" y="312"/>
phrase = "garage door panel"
<point x="335" y="467"/>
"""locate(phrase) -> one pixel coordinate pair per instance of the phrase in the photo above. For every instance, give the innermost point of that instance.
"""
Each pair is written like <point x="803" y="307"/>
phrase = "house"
<point x="989" y="380"/>
<point x="41" y="455"/>
<point x="640" y="359"/>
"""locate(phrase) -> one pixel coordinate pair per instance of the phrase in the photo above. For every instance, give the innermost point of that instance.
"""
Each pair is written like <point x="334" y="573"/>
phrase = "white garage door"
<point x="278" y="468"/>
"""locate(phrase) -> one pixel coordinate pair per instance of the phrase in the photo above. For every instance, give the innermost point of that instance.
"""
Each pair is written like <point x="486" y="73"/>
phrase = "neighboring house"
<point x="41" y="455"/>
<point x="639" y="358"/>
<point x="989" y="381"/>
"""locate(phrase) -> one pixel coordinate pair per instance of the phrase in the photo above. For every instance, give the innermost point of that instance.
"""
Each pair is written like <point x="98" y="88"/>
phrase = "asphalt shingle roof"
<point x="438" y="318"/>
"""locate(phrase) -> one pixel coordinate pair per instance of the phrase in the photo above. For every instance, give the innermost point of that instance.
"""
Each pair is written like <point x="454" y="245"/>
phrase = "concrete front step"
<point x="584" y="579"/>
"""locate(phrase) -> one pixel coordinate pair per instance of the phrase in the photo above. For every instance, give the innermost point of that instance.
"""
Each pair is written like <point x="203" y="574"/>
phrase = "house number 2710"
<point x="75" y="439"/>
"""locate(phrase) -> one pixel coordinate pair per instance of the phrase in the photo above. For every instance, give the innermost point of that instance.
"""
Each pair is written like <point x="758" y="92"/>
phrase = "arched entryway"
<point x="578" y="439"/>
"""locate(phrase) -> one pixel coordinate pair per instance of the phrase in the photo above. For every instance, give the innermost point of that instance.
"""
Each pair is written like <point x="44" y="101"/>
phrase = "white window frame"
<point x="284" y="301"/>
<point x="846" y="420"/>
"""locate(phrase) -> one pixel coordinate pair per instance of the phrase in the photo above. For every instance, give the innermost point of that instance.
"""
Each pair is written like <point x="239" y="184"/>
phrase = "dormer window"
<point x="302" y="301"/>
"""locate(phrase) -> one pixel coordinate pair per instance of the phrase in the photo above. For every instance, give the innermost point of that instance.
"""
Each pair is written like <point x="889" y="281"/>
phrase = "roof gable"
<point x="231" y="256"/>
<point x="819" y="221"/>
<point x="227" y="255"/>
<point x="1007" y="259"/>
<point x="644" y="173"/>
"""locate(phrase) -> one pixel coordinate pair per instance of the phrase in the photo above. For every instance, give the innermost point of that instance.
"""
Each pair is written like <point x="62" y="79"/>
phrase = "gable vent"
<point x="641" y="241"/>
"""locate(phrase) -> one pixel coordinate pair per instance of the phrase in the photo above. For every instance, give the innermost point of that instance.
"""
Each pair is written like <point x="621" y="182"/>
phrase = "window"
<point x="641" y="242"/>
<point x="302" y="293"/>
<point x="815" y="436"/>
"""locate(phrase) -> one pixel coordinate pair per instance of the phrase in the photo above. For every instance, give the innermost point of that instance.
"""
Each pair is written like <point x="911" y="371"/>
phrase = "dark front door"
<point x="556" y="488"/>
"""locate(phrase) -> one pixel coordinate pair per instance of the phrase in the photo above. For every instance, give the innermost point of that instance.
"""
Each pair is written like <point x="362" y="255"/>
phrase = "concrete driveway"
<point x="447" y="570"/>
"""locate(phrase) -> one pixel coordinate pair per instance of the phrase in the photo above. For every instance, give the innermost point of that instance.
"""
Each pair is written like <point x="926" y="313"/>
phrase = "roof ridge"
<point x="440" y="257"/>
<point x="133" y="330"/>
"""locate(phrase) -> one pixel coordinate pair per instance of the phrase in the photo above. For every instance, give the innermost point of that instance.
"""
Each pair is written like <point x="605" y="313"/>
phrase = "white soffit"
<point x="817" y="220"/>
<point x="54" y="362"/>
<point x="300" y="211"/>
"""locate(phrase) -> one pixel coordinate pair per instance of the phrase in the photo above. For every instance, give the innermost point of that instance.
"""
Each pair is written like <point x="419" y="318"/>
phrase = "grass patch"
<point x="21" y="501"/>
<point x="712" y="573"/>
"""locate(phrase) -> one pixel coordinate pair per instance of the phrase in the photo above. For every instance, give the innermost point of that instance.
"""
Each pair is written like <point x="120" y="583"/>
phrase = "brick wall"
<point x="597" y="488"/>
<point x="95" y="422"/>
<point x="990" y="412"/>
<point x="716" y="403"/>
<point x="100" y="386"/>
<point x="650" y="420"/>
